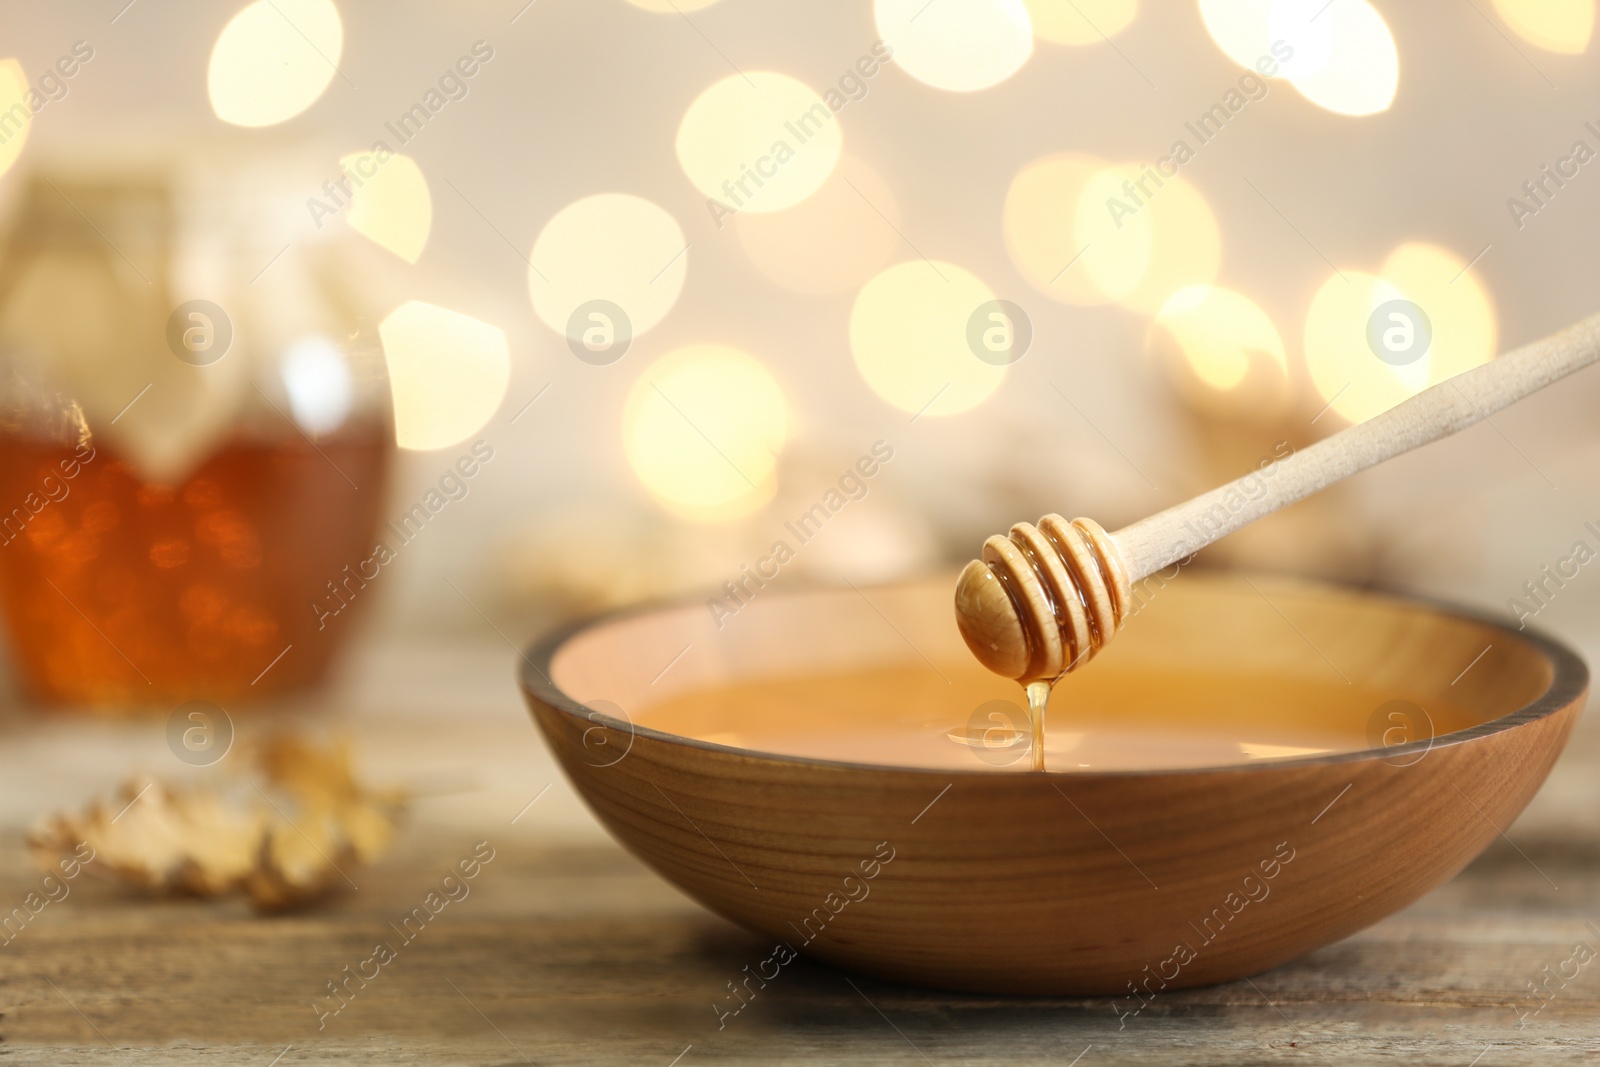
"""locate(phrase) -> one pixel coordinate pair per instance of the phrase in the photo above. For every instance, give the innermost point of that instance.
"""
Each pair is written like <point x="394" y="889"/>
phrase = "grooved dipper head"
<point x="1044" y="599"/>
<point x="989" y="623"/>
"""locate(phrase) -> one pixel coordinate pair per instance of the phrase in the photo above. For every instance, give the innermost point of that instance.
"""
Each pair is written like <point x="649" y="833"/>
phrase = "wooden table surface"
<point x="569" y="951"/>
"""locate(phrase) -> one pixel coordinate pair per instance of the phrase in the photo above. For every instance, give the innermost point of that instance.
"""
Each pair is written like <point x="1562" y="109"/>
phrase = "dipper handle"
<point x="1439" y="411"/>
<point x="1045" y="599"/>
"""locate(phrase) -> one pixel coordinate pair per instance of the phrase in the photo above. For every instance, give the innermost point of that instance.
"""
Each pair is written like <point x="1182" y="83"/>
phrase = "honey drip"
<point x="1038" y="700"/>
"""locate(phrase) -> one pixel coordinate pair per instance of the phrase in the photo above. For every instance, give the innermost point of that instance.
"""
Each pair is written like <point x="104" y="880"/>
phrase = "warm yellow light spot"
<point x="1145" y="236"/>
<point x="1361" y="72"/>
<point x="1223" y="353"/>
<point x="612" y="246"/>
<point x="390" y="202"/>
<point x="1117" y="246"/>
<point x="273" y="60"/>
<point x="1041" y="227"/>
<point x="1340" y="56"/>
<point x="1260" y="751"/>
<point x="833" y="241"/>
<point x="1080" y="21"/>
<point x="447" y="373"/>
<point x="758" y="142"/>
<point x="1344" y="366"/>
<point x="16" y="117"/>
<point x="1464" y="323"/>
<point x="1084" y="231"/>
<point x="909" y="335"/>
<point x="1241" y="28"/>
<point x="958" y="45"/>
<point x="1346" y="372"/>
<point x="671" y="7"/>
<point x="702" y="429"/>
<point x="1562" y="26"/>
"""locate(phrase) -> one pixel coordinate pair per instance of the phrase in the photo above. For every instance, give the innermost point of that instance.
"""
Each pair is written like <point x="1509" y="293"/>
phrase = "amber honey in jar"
<point x="119" y="590"/>
<point x="172" y="515"/>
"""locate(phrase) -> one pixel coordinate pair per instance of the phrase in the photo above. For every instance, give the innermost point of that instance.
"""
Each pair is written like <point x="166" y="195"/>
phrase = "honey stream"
<point x="1038" y="701"/>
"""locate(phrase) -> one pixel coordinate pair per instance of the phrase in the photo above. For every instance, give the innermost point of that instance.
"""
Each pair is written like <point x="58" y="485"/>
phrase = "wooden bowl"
<point x="1083" y="882"/>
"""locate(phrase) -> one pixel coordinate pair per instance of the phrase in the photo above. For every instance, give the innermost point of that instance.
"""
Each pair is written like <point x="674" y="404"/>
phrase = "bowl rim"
<point x="1569" y="680"/>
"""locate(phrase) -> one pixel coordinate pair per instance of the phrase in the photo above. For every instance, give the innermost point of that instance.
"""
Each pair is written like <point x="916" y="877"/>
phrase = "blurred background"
<point x="346" y="347"/>
<point x="632" y="285"/>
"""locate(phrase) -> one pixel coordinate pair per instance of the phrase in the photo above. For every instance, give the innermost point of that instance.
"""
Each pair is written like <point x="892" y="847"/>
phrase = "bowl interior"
<point x="1217" y="670"/>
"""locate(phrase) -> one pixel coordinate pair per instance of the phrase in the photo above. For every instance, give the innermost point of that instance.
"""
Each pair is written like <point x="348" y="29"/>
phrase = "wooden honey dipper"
<point x="1046" y="598"/>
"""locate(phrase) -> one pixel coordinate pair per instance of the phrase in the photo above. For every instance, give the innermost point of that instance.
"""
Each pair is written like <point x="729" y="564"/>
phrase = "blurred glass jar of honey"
<point x="195" y="433"/>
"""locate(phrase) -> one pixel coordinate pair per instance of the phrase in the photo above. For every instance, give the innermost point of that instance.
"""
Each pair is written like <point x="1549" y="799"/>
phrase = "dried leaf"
<point x="282" y="852"/>
<point x="294" y="867"/>
<point x="161" y="839"/>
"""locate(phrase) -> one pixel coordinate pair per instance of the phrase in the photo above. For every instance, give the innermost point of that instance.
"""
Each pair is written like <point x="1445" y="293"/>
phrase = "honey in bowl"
<point x="968" y="719"/>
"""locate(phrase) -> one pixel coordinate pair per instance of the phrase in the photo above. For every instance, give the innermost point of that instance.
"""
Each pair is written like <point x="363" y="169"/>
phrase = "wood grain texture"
<point x="578" y="954"/>
<point x="1084" y="882"/>
<point x="585" y="957"/>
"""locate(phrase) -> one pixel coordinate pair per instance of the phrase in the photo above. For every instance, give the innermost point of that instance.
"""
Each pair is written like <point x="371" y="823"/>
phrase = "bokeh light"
<point x="14" y="124"/>
<point x="447" y="373"/>
<point x="1183" y="248"/>
<point x="1464" y="324"/>
<point x="1041" y="227"/>
<point x="703" y="428"/>
<point x="758" y="142"/>
<point x="1561" y="26"/>
<point x="1340" y="56"/>
<point x="1087" y="232"/>
<point x="1223" y="353"/>
<point x="390" y="202"/>
<point x="1361" y="72"/>
<point x="833" y="241"/>
<point x="1079" y="22"/>
<point x="1344" y="367"/>
<point x="957" y="45"/>
<point x="319" y="384"/>
<point x="273" y="60"/>
<point x="612" y="246"/>
<point x="1347" y="374"/>
<point x="1117" y="246"/>
<point x="908" y="333"/>
<point x="1243" y="29"/>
